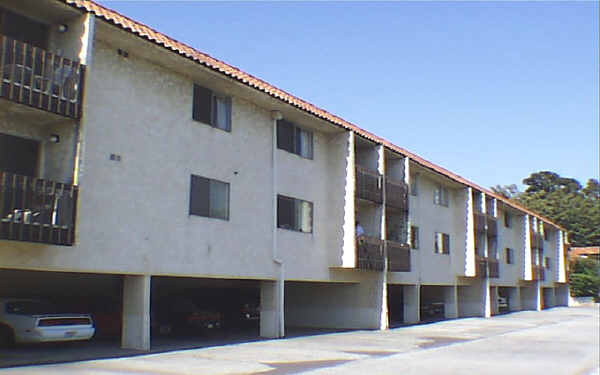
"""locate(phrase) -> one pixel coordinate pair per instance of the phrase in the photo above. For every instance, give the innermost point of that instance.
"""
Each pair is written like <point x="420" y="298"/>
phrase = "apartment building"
<point x="133" y="166"/>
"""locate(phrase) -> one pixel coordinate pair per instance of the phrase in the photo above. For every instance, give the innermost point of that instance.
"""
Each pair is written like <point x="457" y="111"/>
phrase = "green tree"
<point x="564" y="201"/>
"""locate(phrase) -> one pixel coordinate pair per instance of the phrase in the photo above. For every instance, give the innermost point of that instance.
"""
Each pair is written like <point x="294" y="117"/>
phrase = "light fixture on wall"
<point x="276" y="115"/>
<point x="54" y="138"/>
<point x="62" y="28"/>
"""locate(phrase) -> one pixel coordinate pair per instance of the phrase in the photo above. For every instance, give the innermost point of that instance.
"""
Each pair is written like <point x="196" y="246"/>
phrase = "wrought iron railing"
<point x="398" y="256"/>
<point x="369" y="253"/>
<point x="396" y="194"/>
<point x="493" y="268"/>
<point x="37" y="210"/>
<point x="368" y="185"/>
<point x="40" y="79"/>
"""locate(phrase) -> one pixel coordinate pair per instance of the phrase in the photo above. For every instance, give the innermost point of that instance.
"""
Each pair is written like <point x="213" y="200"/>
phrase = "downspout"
<point x="275" y="116"/>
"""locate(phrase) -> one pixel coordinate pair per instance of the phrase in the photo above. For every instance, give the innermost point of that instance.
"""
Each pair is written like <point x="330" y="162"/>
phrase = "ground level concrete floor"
<point x="553" y="341"/>
<point x="139" y="310"/>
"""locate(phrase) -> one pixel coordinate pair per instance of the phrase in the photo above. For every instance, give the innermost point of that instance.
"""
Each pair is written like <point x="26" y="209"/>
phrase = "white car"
<point x="33" y="321"/>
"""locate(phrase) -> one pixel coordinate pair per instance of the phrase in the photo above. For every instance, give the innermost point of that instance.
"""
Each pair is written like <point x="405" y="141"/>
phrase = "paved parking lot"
<point x="555" y="341"/>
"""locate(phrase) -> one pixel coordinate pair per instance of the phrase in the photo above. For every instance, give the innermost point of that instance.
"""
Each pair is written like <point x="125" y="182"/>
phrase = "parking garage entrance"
<point x="395" y="302"/>
<point x="200" y="312"/>
<point x="432" y="303"/>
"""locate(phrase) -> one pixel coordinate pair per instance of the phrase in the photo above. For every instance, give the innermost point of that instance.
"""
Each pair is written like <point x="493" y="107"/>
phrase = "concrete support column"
<point x="412" y="303"/>
<point x="495" y="309"/>
<point x="271" y="309"/>
<point x="514" y="299"/>
<point x="451" y="302"/>
<point x="136" y="312"/>
<point x="486" y="298"/>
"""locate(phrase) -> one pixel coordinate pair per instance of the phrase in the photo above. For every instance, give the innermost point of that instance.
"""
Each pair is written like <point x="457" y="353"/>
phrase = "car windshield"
<point x="30" y="307"/>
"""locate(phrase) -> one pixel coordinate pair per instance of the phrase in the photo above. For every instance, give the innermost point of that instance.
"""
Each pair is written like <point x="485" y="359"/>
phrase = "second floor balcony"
<point x="40" y="79"/>
<point x="369" y="251"/>
<point x="398" y="256"/>
<point x="37" y="210"/>
<point x="369" y="185"/>
<point x="486" y="267"/>
<point x="538" y="273"/>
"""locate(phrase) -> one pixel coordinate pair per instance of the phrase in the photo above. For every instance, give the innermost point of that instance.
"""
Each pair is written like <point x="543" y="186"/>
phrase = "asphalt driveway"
<point x="555" y="341"/>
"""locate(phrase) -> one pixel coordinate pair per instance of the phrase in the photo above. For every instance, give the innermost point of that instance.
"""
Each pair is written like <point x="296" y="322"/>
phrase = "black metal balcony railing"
<point x="396" y="194"/>
<point x="40" y="79"/>
<point x="493" y="268"/>
<point x="536" y="240"/>
<point x="480" y="267"/>
<point x="538" y="273"/>
<point x="479" y="222"/>
<point x="37" y="210"/>
<point x="368" y="185"/>
<point x="492" y="226"/>
<point x="398" y="256"/>
<point x="370" y="253"/>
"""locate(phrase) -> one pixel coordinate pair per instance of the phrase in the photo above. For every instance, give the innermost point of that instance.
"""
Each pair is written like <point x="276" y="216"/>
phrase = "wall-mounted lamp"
<point x="54" y="138"/>
<point x="62" y="28"/>
<point x="276" y="115"/>
<point x="123" y="53"/>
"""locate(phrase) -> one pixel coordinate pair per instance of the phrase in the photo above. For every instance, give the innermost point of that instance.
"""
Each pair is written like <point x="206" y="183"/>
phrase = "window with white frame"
<point x="211" y="108"/>
<point x="442" y="243"/>
<point x="294" y="214"/>
<point x="294" y="139"/>
<point x="209" y="198"/>
<point x="441" y="195"/>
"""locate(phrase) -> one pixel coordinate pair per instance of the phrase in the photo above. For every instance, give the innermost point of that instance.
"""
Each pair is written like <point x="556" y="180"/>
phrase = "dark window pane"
<point x="222" y="113"/>
<point x="446" y="244"/>
<point x="285" y="212"/>
<point x="285" y="136"/>
<point x="199" y="196"/>
<point x="202" y="105"/>
<point x="18" y="155"/>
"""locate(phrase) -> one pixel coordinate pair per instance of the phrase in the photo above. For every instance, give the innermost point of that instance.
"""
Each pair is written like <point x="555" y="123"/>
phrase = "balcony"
<point x="492" y="226"/>
<point x="398" y="256"/>
<point x="368" y="185"/>
<point x="480" y="266"/>
<point x="396" y="194"/>
<point x="493" y="268"/>
<point x="40" y="79"/>
<point x="370" y="253"/>
<point x="479" y="222"/>
<point x="37" y="210"/>
<point x="538" y="273"/>
<point x="536" y="240"/>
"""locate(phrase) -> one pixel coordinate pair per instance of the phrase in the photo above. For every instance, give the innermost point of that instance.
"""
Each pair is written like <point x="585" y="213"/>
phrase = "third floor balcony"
<point x="369" y="185"/>
<point x="396" y="194"/>
<point x="40" y="79"/>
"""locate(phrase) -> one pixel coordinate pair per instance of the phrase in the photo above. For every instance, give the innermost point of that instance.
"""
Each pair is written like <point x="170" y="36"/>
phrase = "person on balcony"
<point x="360" y="232"/>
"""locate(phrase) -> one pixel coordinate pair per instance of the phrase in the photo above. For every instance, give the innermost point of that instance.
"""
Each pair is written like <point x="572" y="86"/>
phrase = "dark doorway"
<point x="18" y="155"/>
<point x="395" y="298"/>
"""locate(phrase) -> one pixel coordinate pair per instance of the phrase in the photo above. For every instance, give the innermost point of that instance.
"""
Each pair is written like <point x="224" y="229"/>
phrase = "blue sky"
<point x="490" y="91"/>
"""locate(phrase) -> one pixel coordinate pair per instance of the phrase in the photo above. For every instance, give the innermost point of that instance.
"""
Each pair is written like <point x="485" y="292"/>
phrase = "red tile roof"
<point x="161" y="39"/>
<point x="578" y="251"/>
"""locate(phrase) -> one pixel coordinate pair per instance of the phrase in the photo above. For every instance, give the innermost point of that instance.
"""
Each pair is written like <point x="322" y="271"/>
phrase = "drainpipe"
<point x="275" y="116"/>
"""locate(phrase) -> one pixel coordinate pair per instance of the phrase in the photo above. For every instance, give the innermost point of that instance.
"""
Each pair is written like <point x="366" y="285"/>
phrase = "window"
<point x="211" y="109"/>
<point x="442" y="243"/>
<point x="510" y="257"/>
<point x="440" y="196"/>
<point x="414" y="237"/>
<point x="294" y="214"/>
<point x="294" y="139"/>
<point x="507" y="220"/>
<point x="547" y="263"/>
<point x="414" y="186"/>
<point x="209" y="198"/>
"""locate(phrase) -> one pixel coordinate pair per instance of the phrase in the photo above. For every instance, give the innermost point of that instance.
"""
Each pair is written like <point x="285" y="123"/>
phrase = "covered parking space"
<point x="438" y="302"/>
<point x="203" y="309"/>
<point x="123" y="307"/>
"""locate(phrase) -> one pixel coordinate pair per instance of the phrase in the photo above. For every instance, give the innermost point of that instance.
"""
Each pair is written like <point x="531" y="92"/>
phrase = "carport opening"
<point x="503" y="301"/>
<point x="198" y="312"/>
<point x="432" y="303"/>
<point x="395" y="298"/>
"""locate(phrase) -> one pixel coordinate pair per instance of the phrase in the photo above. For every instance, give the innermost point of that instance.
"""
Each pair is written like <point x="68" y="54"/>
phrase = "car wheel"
<point x="7" y="337"/>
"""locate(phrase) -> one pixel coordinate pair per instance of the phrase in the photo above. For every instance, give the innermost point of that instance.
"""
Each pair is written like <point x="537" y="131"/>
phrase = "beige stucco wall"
<point x="512" y="238"/>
